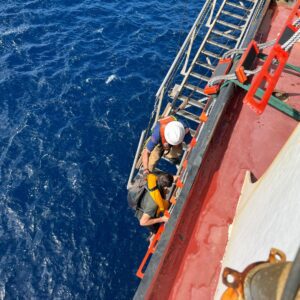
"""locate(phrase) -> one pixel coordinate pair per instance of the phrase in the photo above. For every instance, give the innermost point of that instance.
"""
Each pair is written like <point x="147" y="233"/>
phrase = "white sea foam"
<point x="15" y="132"/>
<point x="14" y="222"/>
<point x="108" y="159"/>
<point x="100" y="30"/>
<point x="73" y="176"/>
<point x="112" y="100"/>
<point x="29" y="170"/>
<point x="19" y="29"/>
<point x="111" y="78"/>
<point x="103" y="123"/>
<point x="42" y="81"/>
<point x="57" y="243"/>
<point x="2" y="292"/>
<point x="68" y="124"/>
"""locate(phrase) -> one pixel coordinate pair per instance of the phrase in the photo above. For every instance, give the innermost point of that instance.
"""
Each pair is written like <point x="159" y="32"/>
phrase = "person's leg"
<point x="154" y="157"/>
<point x="175" y="152"/>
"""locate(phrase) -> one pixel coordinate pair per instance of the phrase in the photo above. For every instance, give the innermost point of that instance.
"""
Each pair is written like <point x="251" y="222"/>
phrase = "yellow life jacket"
<point x="155" y="194"/>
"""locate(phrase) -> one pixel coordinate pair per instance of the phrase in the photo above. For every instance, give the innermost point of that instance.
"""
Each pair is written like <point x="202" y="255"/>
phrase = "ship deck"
<point x="242" y="141"/>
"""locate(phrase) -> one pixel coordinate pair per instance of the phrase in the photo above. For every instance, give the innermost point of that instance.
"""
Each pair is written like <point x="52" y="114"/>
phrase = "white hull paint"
<point x="268" y="213"/>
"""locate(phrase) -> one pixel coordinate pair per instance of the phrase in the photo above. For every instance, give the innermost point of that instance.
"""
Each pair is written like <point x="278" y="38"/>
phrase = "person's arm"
<point x="153" y="141"/>
<point x="147" y="221"/>
<point x="145" y="160"/>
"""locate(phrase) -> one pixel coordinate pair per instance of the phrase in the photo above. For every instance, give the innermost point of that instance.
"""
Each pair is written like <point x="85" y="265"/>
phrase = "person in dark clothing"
<point x="153" y="203"/>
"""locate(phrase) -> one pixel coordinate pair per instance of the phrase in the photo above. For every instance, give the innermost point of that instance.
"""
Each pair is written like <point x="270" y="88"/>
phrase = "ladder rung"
<point x="188" y="115"/>
<point x="238" y="6"/>
<point x="228" y="13"/>
<point x="218" y="44"/>
<point x="224" y="34"/>
<point x="191" y="101"/>
<point x="229" y="25"/>
<point x="199" y="76"/>
<point x="207" y="66"/>
<point x="205" y="52"/>
<point x="194" y="88"/>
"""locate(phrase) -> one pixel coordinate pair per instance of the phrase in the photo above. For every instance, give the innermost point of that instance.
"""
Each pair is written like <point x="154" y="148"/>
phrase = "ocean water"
<point x="77" y="86"/>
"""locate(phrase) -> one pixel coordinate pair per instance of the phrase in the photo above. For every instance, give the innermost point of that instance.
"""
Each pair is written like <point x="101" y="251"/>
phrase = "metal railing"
<point x="182" y="55"/>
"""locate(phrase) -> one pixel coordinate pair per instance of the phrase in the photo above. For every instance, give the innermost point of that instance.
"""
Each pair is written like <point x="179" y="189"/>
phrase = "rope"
<point x="262" y="46"/>
<point x="286" y="46"/>
<point x="252" y="72"/>
<point x="266" y="44"/>
<point x="216" y="79"/>
<point x="242" y="50"/>
<point x="232" y="76"/>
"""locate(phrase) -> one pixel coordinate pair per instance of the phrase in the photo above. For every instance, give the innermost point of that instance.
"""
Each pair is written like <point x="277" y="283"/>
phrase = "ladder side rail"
<point x="188" y="53"/>
<point x="242" y="35"/>
<point x="200" y="49"/>
<point x="181" y="52"/>
<point x="173" y="71"/>
<point x="209" y="23"/>
<point x="159" y="105"/>
<point x="263" y="6"/>
<point x="136" y="157"/>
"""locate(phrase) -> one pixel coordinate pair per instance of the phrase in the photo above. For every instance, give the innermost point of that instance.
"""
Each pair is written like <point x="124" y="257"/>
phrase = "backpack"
<point x="136" y="192"/>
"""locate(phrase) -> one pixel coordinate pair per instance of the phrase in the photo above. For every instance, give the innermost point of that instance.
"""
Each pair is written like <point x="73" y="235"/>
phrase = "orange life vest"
<point x="163" y="123"/>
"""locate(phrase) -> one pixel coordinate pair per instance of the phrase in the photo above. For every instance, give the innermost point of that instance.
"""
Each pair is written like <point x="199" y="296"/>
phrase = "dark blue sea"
<point x="77" y="86"/>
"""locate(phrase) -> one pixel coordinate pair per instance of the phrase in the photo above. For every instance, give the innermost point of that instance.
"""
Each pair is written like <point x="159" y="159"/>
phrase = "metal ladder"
<point x="225" y="33"/>
<point x="182" y="90"/>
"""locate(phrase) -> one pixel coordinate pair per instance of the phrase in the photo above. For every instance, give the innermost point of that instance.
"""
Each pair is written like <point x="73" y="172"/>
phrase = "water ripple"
<point x="77" y="85"/>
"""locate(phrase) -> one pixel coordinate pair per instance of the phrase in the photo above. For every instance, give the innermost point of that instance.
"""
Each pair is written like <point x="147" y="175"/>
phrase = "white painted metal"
<point x="213" y="7"/>
<point x="129" y="183"/>
<point x="268" y="213"/>
<point x="190" y="36"/>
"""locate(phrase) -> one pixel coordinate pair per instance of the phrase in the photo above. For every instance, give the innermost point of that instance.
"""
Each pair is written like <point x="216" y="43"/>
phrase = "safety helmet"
<point x="174" y="133"/>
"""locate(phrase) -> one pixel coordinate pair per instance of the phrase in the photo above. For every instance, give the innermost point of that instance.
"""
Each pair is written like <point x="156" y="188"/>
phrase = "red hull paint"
<point x="243" y="141"/>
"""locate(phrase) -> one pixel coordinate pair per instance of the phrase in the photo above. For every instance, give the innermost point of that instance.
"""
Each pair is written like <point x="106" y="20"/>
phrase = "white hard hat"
<point x="174" y="133"/>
